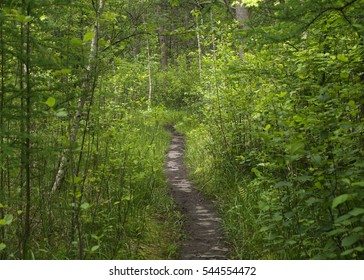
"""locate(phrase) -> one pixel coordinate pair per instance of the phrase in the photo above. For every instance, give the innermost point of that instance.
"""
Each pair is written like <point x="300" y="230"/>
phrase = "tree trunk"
<point x="199" y="47"/>
<point x="163" y="40"/>
<point x="242" y="15"/>
<point x="91" y="68"/>
<point x="27" y="129"/>
<point x="149" y="77"/>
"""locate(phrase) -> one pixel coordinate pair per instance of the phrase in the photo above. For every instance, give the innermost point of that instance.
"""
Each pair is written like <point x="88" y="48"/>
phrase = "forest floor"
<point x="204" y="237"/>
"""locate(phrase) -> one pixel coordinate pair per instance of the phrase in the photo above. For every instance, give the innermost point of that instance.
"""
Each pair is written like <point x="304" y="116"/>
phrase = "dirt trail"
<point x="202" y="225"/>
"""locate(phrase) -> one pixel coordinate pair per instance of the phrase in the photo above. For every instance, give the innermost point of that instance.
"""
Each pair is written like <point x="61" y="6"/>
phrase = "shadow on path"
<point x="202" y="225"/>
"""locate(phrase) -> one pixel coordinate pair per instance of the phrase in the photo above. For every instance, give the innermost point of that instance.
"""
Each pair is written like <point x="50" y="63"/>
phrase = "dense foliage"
<point x="81" y="161"/>
<point x="283" y="131"/>
<point x="270" y="94"/>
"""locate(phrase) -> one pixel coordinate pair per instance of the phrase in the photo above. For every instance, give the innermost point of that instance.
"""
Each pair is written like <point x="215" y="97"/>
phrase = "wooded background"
<point x="268" y="92"/>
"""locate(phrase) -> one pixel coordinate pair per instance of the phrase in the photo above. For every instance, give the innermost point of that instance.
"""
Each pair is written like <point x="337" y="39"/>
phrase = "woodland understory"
<point x="269" y="94"/>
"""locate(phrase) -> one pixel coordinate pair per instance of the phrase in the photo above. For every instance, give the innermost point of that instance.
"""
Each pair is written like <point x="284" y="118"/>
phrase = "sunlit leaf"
<point x="61" y="113"/>
<point x="88" y="37"/>
<point x="76" y="42"/>
<point x="51" y="101"/>
<point x="76" y="180"/>
<point x="85" y="205"/>
<point x="342" y="58"/>
<point x="6" y="220"/>
<point x="95" y="248"/>
<point x="340" y="199"/>
<point x="2" y="246"/>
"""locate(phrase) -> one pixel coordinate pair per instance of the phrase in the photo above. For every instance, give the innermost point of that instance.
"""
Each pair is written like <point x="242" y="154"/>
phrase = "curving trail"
<point x="205" y="239"/>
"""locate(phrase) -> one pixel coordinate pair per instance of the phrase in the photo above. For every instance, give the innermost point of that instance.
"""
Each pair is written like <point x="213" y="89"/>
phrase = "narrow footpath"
<point x="204" y="238"/>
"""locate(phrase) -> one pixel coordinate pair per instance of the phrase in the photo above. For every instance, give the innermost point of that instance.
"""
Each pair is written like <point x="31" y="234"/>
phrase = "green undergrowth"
<point x="236" y="205"/>
<point x="151" y="227"/>
<point x="117" y="207"/>
<point x="157" y="227"/>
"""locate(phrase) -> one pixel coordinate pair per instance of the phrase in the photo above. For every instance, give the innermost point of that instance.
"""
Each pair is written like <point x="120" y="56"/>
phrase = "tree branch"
<point x="124" y="39"/>
<point x="340" y="9"/>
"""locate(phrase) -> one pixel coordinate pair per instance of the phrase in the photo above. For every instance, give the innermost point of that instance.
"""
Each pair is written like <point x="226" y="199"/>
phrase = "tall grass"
<point x="236" y="197"/>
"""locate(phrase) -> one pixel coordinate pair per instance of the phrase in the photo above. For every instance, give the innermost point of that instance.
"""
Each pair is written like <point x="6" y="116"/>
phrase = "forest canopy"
<point x="269" y="94"/>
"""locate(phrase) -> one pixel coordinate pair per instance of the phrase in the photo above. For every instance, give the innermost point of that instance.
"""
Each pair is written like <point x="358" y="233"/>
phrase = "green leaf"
<point x="350" y="240"/>
<point x="352" y="104"/>
<point x="88" y="37"/>
<point x="76" y="180"/>
<point x="256" y="171"/>
<point x="2" y="246"/>
<point x="344" y="75"/>
<point x="174" y="3"/>
<point x="337" y="231"/>
<point x="282" y="94"/>
<point x="61" y="113"/>
<point x="6" y="220"/>
<point x="296" y="148"/>
<point x="347" y="252"/>
<point x="63" y="71"/>
<point x="283" y="184"/>
<point x="356" y="211"/>
<point x="268" y="126"/>
<point x="76" y="42"/>
<point x="85" y="205"/>
<point x="264" y="228"/>
<point x="51" y="101"/>
<point x="340" y="199"/>
<point x="95" y="248"/>
<point x="342" y="58"/>
<point x="127" y="198"/>
<point x="66" y="71"/>
<point x="312" y="200"/>
<point x="343" y="219"/>
<point x="24" y="19"/>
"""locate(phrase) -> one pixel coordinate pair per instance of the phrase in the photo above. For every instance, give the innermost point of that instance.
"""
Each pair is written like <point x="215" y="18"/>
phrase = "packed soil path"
<point x="204" y="238"/>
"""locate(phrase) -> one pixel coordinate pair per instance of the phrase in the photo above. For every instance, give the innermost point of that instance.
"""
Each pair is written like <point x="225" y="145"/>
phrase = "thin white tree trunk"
<point x="150" y="77"/>
<point x="242" y="15"/>
<point x="82" y="100"/>
<point x="199" y="48"/>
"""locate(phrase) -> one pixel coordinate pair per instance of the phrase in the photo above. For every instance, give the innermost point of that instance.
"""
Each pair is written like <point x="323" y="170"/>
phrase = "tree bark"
<point x="149" y="77"/>
<point x="199" y="48"/>
<point x="163" y="40"/>
<point x="91" y="68"/>
<point x="242" y="15"/>
<point x="26" y="102"/>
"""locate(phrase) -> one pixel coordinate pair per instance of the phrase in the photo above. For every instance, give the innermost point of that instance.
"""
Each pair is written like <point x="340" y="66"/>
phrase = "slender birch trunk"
<point x="91" y="68"/>
<point x="199" y="49"/>
<point x="149" y="77"/>
<point x="242" y="15"/>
